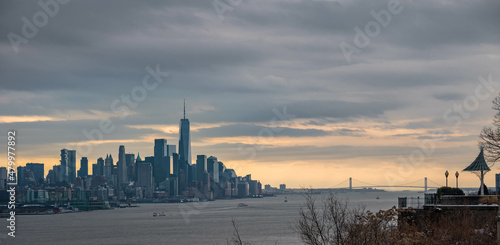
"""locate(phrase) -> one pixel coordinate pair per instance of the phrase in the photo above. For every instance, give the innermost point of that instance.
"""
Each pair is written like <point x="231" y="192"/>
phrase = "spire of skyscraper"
<point x="184" y="108"/>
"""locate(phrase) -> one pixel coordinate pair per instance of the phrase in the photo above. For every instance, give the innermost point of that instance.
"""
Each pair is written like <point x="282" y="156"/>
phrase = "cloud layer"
<point x="265" y="56"/>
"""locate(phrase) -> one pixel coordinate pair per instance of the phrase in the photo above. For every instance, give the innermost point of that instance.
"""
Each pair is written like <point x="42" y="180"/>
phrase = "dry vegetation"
<point x="331" y="221"/>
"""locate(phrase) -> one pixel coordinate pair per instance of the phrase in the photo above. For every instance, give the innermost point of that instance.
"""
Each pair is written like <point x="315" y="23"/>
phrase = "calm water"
<point x="264" y="221"/>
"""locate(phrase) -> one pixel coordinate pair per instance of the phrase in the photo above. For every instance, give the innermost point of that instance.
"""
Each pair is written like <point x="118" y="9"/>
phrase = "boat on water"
<point x="286" y="200"/>
<point x="159" y="214"/>
<point x="378" y="197"/>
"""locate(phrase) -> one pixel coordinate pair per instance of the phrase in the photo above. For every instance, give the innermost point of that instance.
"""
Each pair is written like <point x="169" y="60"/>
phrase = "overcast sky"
<point x="268" y="88"/>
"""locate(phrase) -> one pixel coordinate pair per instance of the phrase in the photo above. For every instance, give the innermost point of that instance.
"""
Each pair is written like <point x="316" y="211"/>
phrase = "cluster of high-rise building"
<point x="168" y="175"/>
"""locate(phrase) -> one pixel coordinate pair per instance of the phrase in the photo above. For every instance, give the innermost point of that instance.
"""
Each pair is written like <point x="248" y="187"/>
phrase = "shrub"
<point x="447" y="191"/>
<point x="489" y="200"/>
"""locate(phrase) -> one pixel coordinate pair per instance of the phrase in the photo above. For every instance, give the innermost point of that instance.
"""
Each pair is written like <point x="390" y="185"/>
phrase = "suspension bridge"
<point x="358" y="184"/>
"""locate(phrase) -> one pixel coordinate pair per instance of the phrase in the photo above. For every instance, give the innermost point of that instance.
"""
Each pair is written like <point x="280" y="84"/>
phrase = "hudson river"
<point x="264" y="221"/>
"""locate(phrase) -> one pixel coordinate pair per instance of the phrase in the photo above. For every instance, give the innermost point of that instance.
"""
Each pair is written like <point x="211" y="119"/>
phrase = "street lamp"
<point x="456" y="175"/>
<point x="446" y="174"/>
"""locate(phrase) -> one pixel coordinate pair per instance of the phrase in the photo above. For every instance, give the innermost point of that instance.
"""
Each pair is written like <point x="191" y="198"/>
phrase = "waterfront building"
<point x="161" y="165"/>
<point x="222" y="168"/>
<point x="64" y="169"/>
<point x="213" y="168"/>
<point x="144" y="175"/>
<point x="38" y="172"/>
<point x="175" y="164"/>
<point x="122" y="167"/>
<point x="21" y="176"/>
<point x="231" y="173"/>
<point x="130" y="164"/>
<point x="68" y="163"/>
<point x="150" y="159"/>
<point x="3" y="178"/>
<point x="173" y="186"/>
<point x="84" y="168"/>
<point x="108" y="166"/>
<point x="201" y="167"/>
<point x="99" y="167"/>
<point x="243" y="189"/>
<point x="254" y="187"/>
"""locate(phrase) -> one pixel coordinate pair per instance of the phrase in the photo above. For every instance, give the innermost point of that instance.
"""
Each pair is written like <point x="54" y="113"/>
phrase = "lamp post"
<point x="446" y="174"/>
<point x="456" y="175"/>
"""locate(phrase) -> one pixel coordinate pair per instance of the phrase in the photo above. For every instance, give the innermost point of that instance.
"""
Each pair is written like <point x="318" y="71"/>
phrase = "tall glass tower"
<point x="122" y="166"/>
<point x="184" y="162"/>
<point x="184" y="139"/>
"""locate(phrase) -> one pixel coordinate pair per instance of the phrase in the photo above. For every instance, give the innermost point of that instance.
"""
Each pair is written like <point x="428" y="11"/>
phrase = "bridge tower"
<point x="425" y="184"/>
<point x="350" y="183"/>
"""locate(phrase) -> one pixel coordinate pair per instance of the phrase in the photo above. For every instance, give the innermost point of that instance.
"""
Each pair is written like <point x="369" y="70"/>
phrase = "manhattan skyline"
<point x="347" y="118"/>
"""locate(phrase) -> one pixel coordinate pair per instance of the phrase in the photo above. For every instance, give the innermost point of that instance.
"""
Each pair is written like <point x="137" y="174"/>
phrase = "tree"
<point x="490" y="136"/>
<point x="327" y="224"/>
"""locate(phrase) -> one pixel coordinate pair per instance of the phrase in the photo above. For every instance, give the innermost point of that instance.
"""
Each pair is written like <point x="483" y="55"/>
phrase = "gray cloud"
<point x="252" y="130"/>
<point x="265" y="55"/>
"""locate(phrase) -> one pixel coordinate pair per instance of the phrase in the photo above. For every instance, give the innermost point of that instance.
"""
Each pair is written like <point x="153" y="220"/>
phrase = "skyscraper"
<point x="72" y="165"/>
<point x="144" y="174"/>
<point x="201" y="167"/>
<point x="99" y="168"/>
<point x="171" y="150"/>
<point x="175" y="164"/>
<point x="130" y="163"/>
<point x="122" y="166"/>
<point x="63" y="170"/>
<point x="213" y="168"/>
<point x="161" y="166"/>
<point x="3" y="178"/>
<point x="38" y="171"/>
<point x="68" y="163"/>
<point x="184" y="139"/>
<point x="108" y="166"/>
<point x="84" y="167"/>
<point x="21" y="176"/>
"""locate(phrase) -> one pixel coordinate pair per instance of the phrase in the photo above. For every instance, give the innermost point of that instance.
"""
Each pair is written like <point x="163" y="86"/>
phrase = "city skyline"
<point x="68" y="160"/>
<point x="355" y="101"/>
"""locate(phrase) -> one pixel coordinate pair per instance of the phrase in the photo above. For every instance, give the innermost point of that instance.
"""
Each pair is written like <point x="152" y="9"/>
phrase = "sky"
<point x="302" y="92"/>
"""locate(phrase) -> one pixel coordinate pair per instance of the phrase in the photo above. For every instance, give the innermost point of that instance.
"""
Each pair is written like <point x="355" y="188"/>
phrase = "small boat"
<point x="286" y="200"/>
<point x="162" y="214"/>
<point x="240" y="205"/>
<point x="155" y="214"/>
<point x="378" y="197"/>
